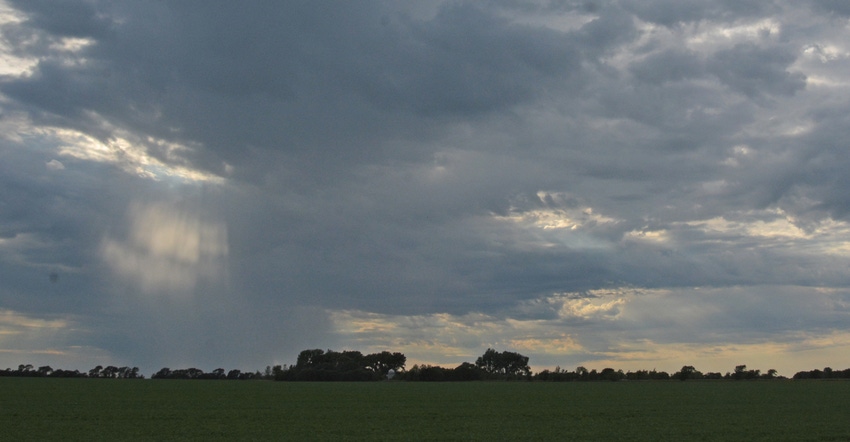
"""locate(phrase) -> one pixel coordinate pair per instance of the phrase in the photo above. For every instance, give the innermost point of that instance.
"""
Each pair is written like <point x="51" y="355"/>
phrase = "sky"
<point x="635" y="184"/>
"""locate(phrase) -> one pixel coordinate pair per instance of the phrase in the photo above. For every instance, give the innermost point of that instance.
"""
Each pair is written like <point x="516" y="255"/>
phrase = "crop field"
<point x="98" y="409"/>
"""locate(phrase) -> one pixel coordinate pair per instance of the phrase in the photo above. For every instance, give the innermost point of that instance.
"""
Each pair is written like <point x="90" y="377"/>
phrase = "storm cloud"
<point x="633" y="183"/>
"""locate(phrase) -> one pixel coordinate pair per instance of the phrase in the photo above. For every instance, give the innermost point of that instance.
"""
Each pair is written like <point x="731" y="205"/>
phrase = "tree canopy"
<point x="506" y="364"/>
<point x="320" y="365"/>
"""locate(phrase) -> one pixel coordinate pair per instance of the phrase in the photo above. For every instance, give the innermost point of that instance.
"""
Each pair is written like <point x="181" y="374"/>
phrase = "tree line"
<point x="328" y="365"/>
<point x="687" y="372"/>
<point x="108" y="372"/>
<point x="826" y="373"/>
<point x="218" y="373"/>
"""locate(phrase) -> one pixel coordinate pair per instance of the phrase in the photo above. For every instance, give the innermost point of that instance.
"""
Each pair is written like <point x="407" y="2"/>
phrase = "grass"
<point x="99" y="409"/>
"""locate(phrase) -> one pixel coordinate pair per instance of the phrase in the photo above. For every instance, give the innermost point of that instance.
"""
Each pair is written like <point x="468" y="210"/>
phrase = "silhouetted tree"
<point x="309" y="358"/>
<point x="504" y="364"/>
<point x="688" y="372"/>
<point x="609" y="374"/>
<point x="582" y="372"/>
<point x="349" y="365"/>
<point x="385" y="361"/>
<point x="741" y="373"/>
<point x="467" y="372"/>
<point x="110" y="371"/>
<point x="163" y="373"/>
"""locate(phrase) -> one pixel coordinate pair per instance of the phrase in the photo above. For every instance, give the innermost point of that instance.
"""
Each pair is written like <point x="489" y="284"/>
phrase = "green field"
<point x="100" y="409"/>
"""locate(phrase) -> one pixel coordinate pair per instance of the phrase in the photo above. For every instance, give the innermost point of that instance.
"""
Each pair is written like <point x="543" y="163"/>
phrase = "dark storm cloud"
<point x="837" y="7"/>
<point x="756" y="71"/>
<point x="205" y="174"/>
<point x="668" y="66"/>
<point x="65" y="18"/>
<point x="822" y="171"/>
<point x="335" y="80"/>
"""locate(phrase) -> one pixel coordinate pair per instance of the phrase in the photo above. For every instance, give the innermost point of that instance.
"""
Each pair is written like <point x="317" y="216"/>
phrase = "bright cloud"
<point x="168" y="249"/>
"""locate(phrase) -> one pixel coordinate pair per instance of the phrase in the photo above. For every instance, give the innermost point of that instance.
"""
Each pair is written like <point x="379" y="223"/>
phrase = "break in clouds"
<point x="633" y="184"/>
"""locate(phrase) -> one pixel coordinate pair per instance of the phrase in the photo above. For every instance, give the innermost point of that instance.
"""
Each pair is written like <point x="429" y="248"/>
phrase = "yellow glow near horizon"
<point x="26" y="338"/>
<point x="11" y="319"/>
<point x="807" y="353"/>
<point x="446" y="339"/>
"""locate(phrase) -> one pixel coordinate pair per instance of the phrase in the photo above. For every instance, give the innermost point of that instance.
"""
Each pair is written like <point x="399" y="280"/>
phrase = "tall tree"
<point x="309" y="358"/>
<point x="385" y="361"/>
<point x="505" y="363"/>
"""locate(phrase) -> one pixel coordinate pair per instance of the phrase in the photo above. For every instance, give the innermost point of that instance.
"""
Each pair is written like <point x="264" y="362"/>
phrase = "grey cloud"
<point x="668" y="66"/>
<point x="55" y="93"/>
<point x="837" y="7"/>
<point x="757" y="71"/>
<point x="676" y="12"/>
<point x="466" y="61"/>
<point x="755" y="312"/>
<point x="611" y="28"/>
<point x="66" y="18"/>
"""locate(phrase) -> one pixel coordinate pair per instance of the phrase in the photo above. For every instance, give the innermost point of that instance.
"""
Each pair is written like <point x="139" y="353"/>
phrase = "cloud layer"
<point x="633" y="183"/>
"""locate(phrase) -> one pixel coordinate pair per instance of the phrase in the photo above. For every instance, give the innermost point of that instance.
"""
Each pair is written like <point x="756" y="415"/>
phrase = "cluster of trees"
<point x="432" y="373"/>
<point x="492" y="365"/>
<point x="320" y="365"/>
<point x="217" y="374"/>
<point x="504" y="364"/>
<point x="688" y="372"/>
<point x="741" y="373"/>
<point x="826" y="373"/>
<point x="110" y="372"/>
<point x="582" y="374"/>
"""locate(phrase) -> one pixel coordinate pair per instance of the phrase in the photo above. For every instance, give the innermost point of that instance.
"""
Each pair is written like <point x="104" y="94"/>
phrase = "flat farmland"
<point x="105" y="409"/>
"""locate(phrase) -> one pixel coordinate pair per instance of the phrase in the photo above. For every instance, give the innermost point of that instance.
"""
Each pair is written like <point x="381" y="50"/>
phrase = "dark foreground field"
<point x="86" y="409"/>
